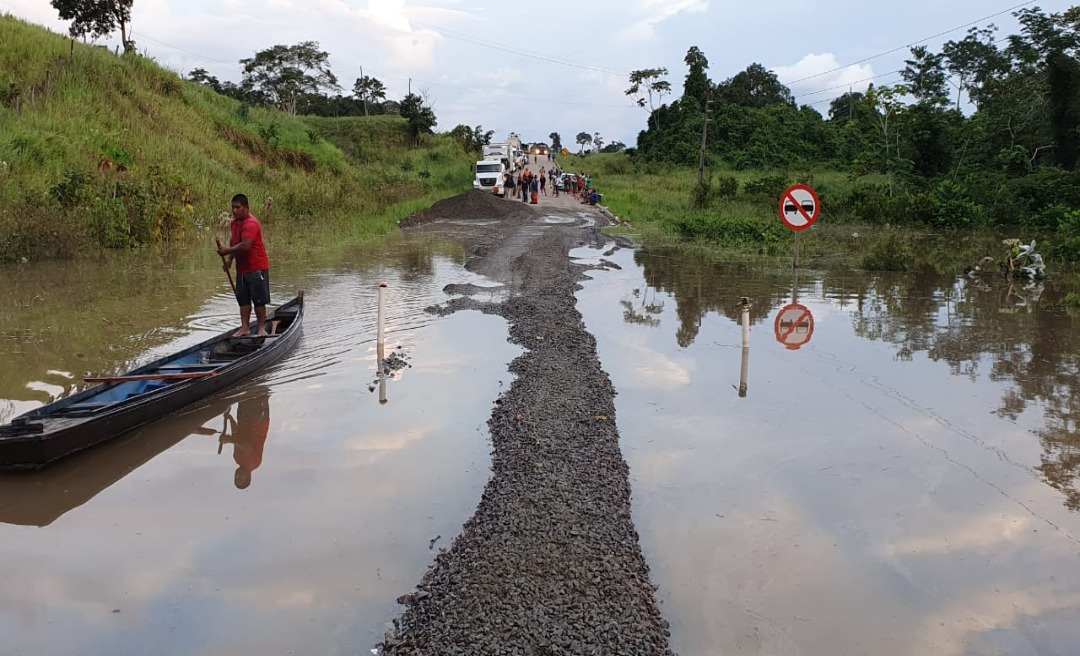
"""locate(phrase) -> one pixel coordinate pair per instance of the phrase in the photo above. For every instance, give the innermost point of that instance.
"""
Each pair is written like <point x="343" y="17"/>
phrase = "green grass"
<point x="71" y="119"/>
<point x="657" y="201"/>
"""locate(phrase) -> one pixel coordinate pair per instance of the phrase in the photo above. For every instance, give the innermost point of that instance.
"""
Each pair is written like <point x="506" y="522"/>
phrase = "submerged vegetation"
<point x="99" y="150"/>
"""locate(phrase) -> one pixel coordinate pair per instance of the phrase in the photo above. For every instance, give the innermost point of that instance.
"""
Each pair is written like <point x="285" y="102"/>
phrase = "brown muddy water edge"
<point x="550" y="563"/>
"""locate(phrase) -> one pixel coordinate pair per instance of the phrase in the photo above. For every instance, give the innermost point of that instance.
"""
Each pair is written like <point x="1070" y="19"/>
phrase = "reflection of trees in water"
<point x="642" y="311"/>
<point x="1015" y="334"/>
<point x="701" y="285"/>
<point x="1030" y="345"/>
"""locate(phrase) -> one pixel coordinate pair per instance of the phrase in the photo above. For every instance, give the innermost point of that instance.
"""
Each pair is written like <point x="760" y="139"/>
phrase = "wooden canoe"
<point x="105" y="412"/>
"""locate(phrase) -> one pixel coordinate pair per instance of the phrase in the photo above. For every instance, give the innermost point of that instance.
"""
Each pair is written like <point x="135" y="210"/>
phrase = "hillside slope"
<point x="98" y="150"/>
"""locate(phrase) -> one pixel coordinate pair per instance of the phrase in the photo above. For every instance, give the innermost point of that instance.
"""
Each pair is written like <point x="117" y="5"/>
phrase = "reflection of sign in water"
<point x="794" y="326"/>
<point x="800" y="208"/>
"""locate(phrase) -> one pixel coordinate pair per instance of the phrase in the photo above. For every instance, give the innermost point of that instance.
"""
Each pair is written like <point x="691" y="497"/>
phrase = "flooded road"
<point x="900" y="479"/>
<point x="296" y="529"/>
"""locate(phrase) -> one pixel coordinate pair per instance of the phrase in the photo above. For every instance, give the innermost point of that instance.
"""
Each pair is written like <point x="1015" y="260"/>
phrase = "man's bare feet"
<point x="243" y="332"/>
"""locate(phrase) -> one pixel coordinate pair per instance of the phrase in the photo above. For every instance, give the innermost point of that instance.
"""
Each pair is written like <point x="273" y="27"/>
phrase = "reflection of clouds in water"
<point x="336" y="524"/>
<point x="852" y="505"/>
<point x="654" y="367"/>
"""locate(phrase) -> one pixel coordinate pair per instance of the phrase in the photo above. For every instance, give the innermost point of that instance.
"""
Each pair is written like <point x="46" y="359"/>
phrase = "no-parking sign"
<point x="794" y="326"/>
<point x="800" y="208"/>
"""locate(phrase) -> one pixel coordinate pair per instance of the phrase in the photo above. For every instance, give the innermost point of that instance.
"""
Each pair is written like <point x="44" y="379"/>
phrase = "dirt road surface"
<point x="550" y="563"/>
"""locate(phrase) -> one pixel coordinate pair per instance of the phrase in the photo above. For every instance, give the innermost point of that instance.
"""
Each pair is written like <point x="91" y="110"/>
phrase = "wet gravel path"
<point x="550" y="563"/>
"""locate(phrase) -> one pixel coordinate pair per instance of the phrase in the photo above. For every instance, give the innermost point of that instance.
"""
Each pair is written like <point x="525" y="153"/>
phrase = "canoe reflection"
<point x="39" y="498"/>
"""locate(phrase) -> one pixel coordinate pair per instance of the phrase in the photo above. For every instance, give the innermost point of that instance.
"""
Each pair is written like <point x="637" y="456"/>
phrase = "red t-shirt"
<point x="256" y="258"/>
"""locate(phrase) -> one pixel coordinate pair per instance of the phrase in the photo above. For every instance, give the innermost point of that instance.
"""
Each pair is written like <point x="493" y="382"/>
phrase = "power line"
<point x="847" y="84"/>
<point x="515" y="51"/>
<point x="514" y="95"/>
<point x="169" y="45"/>
<point x="913" y="43"/>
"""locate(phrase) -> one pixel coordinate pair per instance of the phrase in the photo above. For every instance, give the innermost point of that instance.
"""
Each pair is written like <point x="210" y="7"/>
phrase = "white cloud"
<point x="817" y="78"/>
<point x="653" y="12"/>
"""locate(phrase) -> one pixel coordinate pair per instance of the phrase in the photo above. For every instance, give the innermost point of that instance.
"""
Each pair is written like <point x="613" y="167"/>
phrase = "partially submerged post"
<point x="745" y="302"/>
<point x="380" y="345"/>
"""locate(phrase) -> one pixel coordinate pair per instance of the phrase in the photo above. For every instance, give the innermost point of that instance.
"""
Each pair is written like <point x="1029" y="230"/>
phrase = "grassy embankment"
<point x="740" y="217"/>
<point x="104" y="151"/>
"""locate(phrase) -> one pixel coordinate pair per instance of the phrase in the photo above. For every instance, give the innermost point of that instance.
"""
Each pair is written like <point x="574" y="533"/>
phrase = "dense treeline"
<point x="984" y="133"/>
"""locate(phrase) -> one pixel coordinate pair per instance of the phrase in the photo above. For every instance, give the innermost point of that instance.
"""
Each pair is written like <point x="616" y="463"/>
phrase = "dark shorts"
<point x="253" y="288"/>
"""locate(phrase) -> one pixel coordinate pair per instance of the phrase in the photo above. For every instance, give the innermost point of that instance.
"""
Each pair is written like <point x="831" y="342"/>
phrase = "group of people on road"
<point x="529" y="186"/>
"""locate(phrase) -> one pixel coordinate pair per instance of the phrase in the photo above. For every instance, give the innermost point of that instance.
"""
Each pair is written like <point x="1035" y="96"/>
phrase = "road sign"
<point x="794" y="326"/>
<point x="800" y="208"/>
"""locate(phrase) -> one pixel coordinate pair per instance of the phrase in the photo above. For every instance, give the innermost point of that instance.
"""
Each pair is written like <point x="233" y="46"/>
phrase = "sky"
<point x="536" y="68"/>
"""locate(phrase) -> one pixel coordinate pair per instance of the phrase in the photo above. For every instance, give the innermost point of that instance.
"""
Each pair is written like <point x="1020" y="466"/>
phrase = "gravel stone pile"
<point x="550" y="563"/>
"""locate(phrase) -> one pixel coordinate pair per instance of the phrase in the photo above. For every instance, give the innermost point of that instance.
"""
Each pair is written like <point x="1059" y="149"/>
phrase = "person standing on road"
<point x="543" y="184"/>
<point x="247" y="249"/>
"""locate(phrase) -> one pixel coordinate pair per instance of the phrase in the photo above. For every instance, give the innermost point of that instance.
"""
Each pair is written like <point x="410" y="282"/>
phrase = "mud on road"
<point x="550" y="563"/>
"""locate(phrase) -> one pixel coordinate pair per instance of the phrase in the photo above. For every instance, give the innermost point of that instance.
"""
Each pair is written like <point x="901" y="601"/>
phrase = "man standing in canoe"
<point x="247" y="249"/>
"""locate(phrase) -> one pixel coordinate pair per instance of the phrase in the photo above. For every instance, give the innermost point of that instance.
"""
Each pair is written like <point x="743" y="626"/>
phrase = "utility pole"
<point x="410" y="86"/>
<point x="704" y="142"/>
<point x="365" y="92"/>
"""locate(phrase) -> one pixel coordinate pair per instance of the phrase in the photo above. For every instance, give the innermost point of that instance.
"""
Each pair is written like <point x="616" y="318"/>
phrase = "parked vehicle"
<point x="500" y="151"/>
<point x="491" y="176"/>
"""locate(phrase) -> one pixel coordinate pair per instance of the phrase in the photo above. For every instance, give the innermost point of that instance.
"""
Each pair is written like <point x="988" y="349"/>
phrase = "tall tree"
<point x="420" y="117"/>
<point x="598" y="141"/>
<point x="1063" y="76"/>
<point x="697" y="86"/>
<point x="97" y="18"/>
<point x="582" y="139"/>
<point x="556" y="142"/>
<point x="472" y="139"/>
<point x="924" y="74"/>
<point x="647" y="84"/>
<point x="203" y="77"/>
<point x="755" y="87"/>
<point x="285" y="74"/>
<point x="369" y="90"/>
<point x="974" y="61"/>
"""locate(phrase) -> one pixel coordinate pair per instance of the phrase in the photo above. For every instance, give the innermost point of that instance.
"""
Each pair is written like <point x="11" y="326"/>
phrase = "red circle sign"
<point x="800" y="208"/>
<point x="794" y="326"/>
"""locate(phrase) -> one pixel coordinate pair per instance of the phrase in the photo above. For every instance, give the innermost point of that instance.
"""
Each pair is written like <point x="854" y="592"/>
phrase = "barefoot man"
<point x="247" y="249"/>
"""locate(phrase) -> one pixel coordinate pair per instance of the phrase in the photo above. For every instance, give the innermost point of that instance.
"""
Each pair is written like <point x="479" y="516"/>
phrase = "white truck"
<point x="503" y="152"/>
<point x="491" y="176"/>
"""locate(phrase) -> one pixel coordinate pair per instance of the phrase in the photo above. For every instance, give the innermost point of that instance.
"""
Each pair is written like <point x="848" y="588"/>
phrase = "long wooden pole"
<point x="228" y="271"/>
<point x="128" y="379"/>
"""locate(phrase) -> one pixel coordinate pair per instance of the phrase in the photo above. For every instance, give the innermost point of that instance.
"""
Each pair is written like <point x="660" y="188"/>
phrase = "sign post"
<point x="800" y="209"/>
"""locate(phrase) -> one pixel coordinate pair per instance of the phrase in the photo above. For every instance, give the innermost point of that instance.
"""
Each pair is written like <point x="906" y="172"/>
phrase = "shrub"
<point x="769" y="187"/>
<point x="727" y="231"/>
<point x="69" y="191"/>
<point x="889" y="254"/>
<point x="1051" y="218"/>
<point x="727" y="187"/>
<point x="953" y="208"/>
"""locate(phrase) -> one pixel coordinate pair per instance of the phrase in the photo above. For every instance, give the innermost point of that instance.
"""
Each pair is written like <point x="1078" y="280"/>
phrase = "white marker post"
<point x="382" y="314"/>
<point x="745" y="347"/>
<point x="380" y="345"/>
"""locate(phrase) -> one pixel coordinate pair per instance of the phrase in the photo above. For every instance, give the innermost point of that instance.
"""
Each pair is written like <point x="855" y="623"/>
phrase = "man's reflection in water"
<point x="248" y="435"/>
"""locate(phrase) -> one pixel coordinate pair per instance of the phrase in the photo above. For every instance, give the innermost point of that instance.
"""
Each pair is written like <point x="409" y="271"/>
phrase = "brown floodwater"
<point x="904" y="482"/>
<point x="153" y="544"/>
